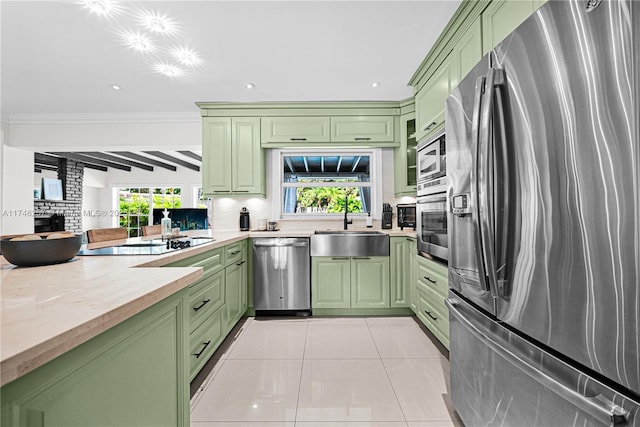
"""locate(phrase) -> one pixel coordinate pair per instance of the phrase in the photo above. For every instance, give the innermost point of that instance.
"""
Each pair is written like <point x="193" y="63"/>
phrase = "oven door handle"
<point x="475" y="181"/>
<point x="434" y="200"/>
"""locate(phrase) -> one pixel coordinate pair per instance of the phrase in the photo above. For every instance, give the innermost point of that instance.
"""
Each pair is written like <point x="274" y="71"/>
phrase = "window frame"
<point x="116" y="203"/>
<point x="278" y="185"/>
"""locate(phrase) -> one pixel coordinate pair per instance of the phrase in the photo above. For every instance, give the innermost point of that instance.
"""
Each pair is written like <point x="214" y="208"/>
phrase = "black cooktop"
<point x="147" y="247"/>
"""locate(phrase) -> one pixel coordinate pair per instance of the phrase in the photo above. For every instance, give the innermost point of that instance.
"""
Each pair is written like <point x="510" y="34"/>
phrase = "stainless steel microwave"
<point x="431" y="163"/>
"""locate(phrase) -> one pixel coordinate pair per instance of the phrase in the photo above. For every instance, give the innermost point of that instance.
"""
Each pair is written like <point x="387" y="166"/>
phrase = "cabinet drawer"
<point x="234" y="253"/>
<point x="432" y="279"/>
<point x="204" y="341"/>
<point x="432" y="311"/>
<point x="210" y="261"/>
<point x="205" y="297"/>
<point x="294" y="130"/>
<point x="362" y="129"/>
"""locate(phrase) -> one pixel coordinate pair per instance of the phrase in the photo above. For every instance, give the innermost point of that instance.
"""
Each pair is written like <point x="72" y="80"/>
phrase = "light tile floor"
<point x="327" y="372"/>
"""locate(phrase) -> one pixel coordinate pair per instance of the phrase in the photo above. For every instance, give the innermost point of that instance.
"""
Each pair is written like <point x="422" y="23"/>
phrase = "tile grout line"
<point x="304" y="350"/>
<point x="386" y="373"/>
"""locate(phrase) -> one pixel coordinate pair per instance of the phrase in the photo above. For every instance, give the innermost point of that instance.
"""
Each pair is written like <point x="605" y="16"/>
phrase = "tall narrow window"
<point x="326" y="184"/>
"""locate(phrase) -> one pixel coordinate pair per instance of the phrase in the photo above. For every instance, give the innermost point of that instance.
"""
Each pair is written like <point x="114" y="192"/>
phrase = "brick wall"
<point x="71" y="173"/>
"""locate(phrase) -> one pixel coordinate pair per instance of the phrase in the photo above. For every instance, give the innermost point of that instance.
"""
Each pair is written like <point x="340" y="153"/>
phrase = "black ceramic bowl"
<point x="31" y="253"/>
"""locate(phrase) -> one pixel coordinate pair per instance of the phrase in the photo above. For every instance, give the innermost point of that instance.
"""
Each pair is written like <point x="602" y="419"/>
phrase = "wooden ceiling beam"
<point x="192" y="155"/>
<point x="90" y="160"/>
<point x="144" y="159"/>
<point x="172" y="159"/>
<point x="115" y="159"/>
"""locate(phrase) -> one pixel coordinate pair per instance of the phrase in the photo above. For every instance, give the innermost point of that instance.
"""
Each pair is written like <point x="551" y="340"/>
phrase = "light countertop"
<point x="46" y="311"/>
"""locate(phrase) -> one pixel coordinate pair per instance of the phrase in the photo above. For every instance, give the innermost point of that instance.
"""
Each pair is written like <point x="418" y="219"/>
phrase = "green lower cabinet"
<point x="370" y="282"/>
<point x="345" y="282"/>
<point x="403" y="265"/>
<point x="133" y="374"/>
<point x="234" y="296"/>
<point x="330" y="282"/>
<point x="431" y="289"/>
<point x="204" y="340"/>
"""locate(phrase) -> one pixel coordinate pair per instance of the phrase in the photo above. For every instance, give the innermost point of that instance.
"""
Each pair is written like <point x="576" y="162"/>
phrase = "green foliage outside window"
<point x="329" y="199"/>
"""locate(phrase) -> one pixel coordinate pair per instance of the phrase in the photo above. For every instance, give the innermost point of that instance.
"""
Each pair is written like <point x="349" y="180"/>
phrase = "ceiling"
<point x="61" y="60"/>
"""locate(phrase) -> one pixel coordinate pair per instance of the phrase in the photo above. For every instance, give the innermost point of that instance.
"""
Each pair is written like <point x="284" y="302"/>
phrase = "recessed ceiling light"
<point x="158" y="23"/>
<point x="249" y="85"/>
<point x="375" y="84"/>
<point x="115" y="87"/>
<point x="139" y="42"/>
<point x="186" y="56"/>
<point x="101" y="7"/>
<point x="169" y="70"/>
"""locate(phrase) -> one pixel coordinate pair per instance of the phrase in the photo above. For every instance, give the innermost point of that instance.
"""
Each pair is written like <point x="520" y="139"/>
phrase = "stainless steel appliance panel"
<point x="554" y="186"/>
<point x="281" y="274"/>
<point x="497" y="378"/>
<point x="432" y="234"/>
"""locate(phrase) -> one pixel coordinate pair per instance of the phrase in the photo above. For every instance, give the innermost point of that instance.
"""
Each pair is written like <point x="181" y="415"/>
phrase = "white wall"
<point x="107" y="136"/>
<point x="17" y="191"/>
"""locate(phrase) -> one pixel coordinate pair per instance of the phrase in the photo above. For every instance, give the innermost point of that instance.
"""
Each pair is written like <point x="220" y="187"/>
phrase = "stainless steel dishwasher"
<point x="281" y="276"/>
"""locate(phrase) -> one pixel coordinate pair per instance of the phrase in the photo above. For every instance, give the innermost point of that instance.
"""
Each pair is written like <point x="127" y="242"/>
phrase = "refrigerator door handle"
<point x="495" y="77"/>
<point x="608" y="413"/>
<point x="475" y="181"/>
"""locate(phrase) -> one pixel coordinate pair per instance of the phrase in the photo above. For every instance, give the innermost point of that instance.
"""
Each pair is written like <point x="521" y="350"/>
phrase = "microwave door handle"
<point x="494" y="78"/>
<point x="475" y="203"/>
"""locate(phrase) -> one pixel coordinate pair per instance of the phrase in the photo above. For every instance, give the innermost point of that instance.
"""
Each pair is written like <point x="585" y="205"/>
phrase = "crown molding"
<point x="90" y="118"/>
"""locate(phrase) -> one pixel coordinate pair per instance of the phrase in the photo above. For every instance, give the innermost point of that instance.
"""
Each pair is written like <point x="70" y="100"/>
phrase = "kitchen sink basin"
<point x="349" y="243"/>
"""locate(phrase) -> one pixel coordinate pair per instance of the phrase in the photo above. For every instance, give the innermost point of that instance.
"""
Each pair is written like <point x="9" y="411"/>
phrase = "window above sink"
<point x="316" y="183"/>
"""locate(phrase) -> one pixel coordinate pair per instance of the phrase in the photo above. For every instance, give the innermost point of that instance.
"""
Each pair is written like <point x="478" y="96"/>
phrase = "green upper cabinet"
<point x="370" y="282"/>
<point x="501" y="17"/>
<point x="431" y="97"/>
<point x="362" y="129"/>
<point x="276" y="130"/>
<point x="232" y="160"/>
<point x="404" y="158"/>
<point x="468" y="50"/>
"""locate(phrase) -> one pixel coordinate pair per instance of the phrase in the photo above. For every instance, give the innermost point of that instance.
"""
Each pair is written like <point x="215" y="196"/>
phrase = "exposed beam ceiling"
<point x="121" y="160"/>
<point x="145" y="159"/>
<point x="173" y="159"/>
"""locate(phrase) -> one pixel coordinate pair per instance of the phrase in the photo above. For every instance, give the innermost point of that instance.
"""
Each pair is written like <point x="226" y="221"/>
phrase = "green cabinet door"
<point x="404" y="158"/>
<point x="330" y="282"/>
<point x="134" y="374"/>
<point x="431" y="97"/>
<point x="500" y="18"/>
<point x="369" y="282"/>
<point x="232" y="160"/>
<point x="294" y="130"/>
<point x="403" y="267"/>
<point x="216" y="155"/>
<point x="412" y="262"/>
<point x="233" y="294"/>
<point x="468" y="51"/>
<point x="362" y="129"/>
<point x="247" y="158"/>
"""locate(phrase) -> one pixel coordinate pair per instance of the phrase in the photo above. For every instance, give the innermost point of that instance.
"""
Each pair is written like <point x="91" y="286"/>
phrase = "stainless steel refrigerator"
<point x="544" y="222"/>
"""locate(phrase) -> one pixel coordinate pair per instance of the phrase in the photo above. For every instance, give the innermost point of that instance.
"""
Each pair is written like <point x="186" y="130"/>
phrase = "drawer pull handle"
<point x="430" y="315"/>
<point x="240" y="263"/>
<point x="339" y="258"/>
<point x="206" y="344"/>
<point x="298" y="139"/>
<point x="361" y="257"/>
<point x="427" y="278"/>
<point x="204" y="302"/>
<point x="362" y="139"/>
<point x="410" y="240"/>
<point x="430" y="125"/>
<point x="234" y="253"/>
